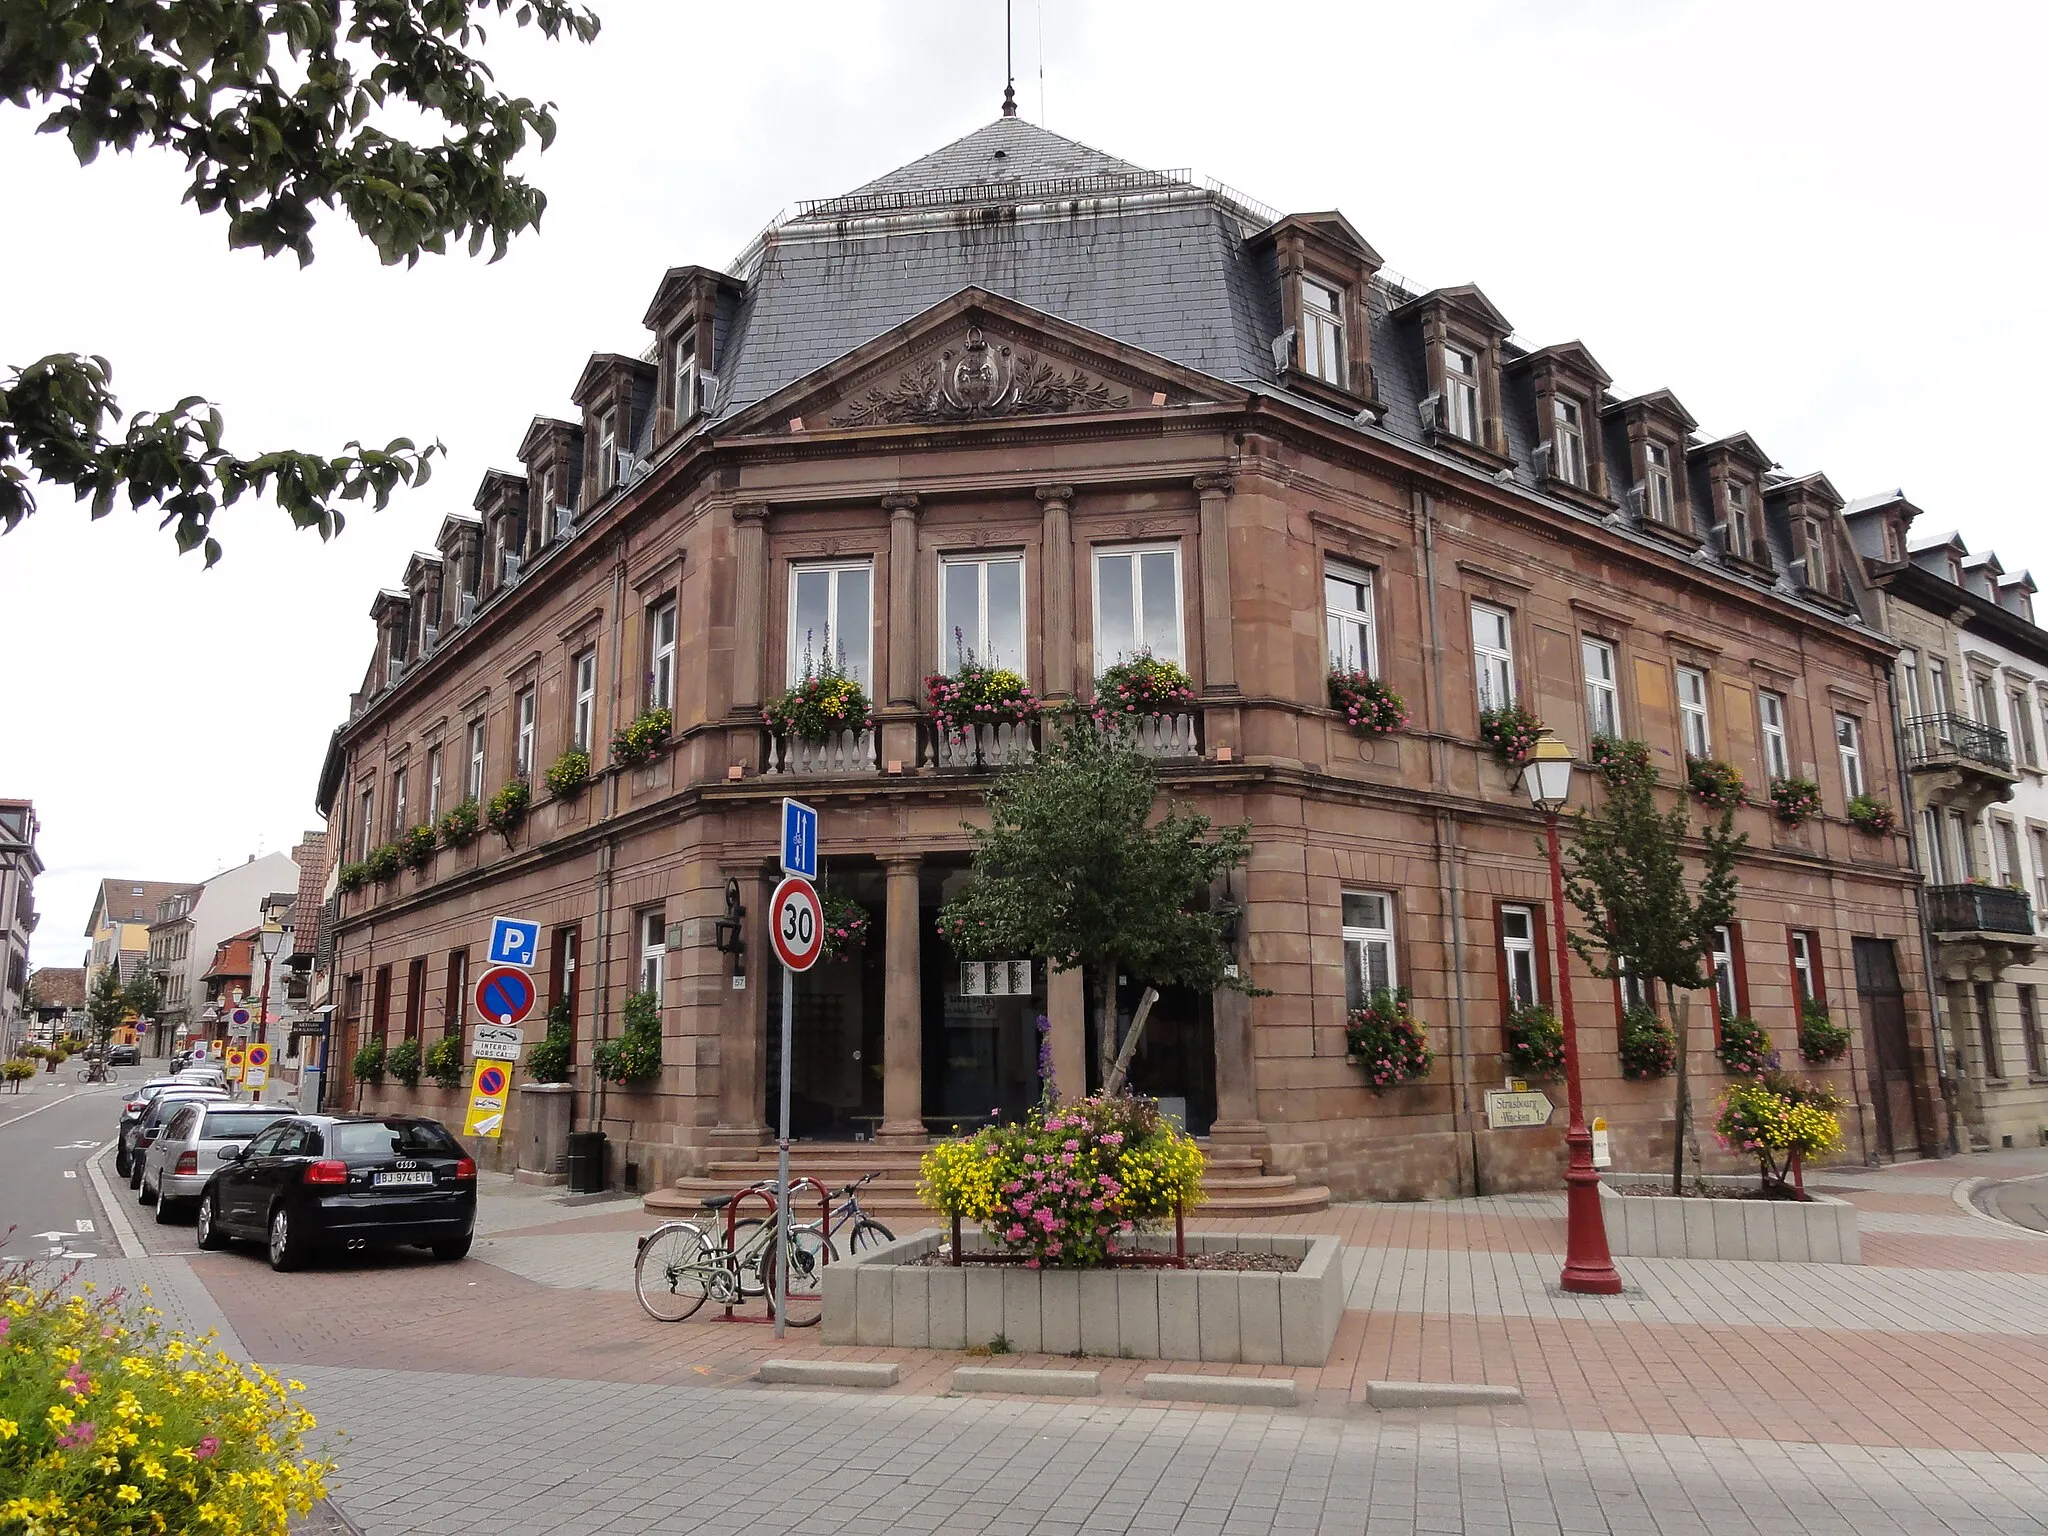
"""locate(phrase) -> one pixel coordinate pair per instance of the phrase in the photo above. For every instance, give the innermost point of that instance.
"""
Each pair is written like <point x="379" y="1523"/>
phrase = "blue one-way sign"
<point x="514" y="941"/>
<point x="799" y="839"/>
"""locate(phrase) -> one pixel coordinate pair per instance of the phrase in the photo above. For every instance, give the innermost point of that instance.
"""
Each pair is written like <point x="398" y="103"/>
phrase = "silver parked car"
<point x="195" y="1141"/>
<point x="161" y="1108"/>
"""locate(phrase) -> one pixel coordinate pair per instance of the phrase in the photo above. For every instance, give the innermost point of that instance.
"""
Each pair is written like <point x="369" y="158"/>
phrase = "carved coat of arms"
<point x="980" y="379"/>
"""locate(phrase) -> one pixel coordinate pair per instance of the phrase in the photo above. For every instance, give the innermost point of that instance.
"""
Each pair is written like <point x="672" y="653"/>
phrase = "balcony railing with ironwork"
<point x="1942" y="741"/>
<point x="1978" y="909"/>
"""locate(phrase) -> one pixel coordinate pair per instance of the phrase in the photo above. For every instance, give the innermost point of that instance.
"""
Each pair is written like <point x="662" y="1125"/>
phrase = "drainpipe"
<point x="1447" y="852"/>
<point x="1934" y="998"/>
<point x="600" y="1015"/>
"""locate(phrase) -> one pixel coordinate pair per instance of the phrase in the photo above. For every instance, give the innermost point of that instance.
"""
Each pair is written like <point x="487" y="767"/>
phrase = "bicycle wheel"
<point x="747" y="1255"/>
<point x="805" y="1303"/>
<point x="670" y="1272"/>
<point x="868" y="1233"/>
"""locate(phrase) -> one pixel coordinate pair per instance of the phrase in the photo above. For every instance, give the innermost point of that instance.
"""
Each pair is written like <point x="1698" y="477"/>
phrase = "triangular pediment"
<point x="978" y="357"/>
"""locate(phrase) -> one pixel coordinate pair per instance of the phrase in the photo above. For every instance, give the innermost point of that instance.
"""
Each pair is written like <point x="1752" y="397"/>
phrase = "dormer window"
<point x="1461" y="393"/>
<point x="1322" y="332"/>
<point x="1567" y="440"/>
<point x="607" y="451"/>
<point x="1738" y="520"/>
<point x="1659" y="502"/>
<point x="1892" y="552"/>
<point x="683" y="373"/>
<point x="1816" y="556"/>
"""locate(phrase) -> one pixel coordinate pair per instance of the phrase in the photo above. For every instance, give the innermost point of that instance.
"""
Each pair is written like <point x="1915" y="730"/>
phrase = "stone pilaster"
<point x="1066" y="1012"/>
<point x="902" y="1008"/>
<point x="1056" y="589"/>
<point x="1219" y="646"/>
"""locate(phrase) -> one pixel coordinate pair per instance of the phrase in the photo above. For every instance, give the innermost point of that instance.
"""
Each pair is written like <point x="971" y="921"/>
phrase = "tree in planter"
<point x="1072" y="870"/>
<point x="1782" y="1124"/>
<point x="105" y="1007"/>
<point x="145" y="994"/>
<point x="548" y="1062"/>
<point x="443" y="1061"/>
<point x="635" y="1057"/>
<point x="1626" y="875"/>
<point x="404" y="1062"/>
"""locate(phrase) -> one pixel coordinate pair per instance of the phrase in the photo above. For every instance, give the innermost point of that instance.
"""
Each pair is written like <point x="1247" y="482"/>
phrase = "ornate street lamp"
<point x="270" y="941"/>
<point x="1588" y="1267"/>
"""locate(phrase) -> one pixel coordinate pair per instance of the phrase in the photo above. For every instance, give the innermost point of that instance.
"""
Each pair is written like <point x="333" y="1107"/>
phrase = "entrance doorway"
<point x="1175" y="1061"/>
<point x="1888" y="1051"/>
<point x="835" y="1083"/>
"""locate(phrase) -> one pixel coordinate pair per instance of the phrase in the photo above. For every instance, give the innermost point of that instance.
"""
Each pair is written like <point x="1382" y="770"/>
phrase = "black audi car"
<point x="344" y="1182"/>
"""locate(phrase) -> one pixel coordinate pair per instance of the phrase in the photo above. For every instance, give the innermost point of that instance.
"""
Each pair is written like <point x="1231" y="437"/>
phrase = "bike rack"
<point x="767" y="1198"/>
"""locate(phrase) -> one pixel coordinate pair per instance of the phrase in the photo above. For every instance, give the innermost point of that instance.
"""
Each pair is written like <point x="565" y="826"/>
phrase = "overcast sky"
<point x="1820" y="223"/>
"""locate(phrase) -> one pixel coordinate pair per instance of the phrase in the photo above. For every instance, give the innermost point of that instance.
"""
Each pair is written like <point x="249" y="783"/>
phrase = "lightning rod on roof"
<point x="1009" y="68"/>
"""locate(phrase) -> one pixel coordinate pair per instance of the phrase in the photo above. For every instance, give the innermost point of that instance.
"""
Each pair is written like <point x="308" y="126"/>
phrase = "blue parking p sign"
<point x="514" y="941"/>
<point x="799" y="839"/>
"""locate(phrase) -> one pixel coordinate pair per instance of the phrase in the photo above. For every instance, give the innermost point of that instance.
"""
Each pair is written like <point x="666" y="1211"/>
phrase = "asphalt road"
<point x="47" y="1207"/>
<point x="2024" y="1202"/>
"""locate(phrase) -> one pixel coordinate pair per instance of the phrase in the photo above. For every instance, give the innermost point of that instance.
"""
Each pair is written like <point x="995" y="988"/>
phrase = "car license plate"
<point x="403" y="1178"/>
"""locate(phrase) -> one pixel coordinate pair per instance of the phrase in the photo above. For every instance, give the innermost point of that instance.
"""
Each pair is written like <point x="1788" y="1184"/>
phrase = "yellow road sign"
<point x="490" y="1086"/>
<point x="238" y="1061"/>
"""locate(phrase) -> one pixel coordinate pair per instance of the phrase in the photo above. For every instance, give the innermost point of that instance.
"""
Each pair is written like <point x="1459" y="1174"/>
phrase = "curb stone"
<point x="828" y="1373"/>
<point x="1250" y="1391"/>
<point x="989" y="1378"/>
<point x="1438" y="1394"/>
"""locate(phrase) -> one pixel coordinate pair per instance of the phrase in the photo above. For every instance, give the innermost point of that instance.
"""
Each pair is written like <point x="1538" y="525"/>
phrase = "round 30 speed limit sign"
<point x="796" y="920"/>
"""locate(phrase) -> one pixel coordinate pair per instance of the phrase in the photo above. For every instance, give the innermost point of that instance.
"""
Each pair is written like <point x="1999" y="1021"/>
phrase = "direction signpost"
<point x="796" y="927"/>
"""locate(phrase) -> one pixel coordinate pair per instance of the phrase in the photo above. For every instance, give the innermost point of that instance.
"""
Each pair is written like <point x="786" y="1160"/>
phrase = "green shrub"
<point x="548" y="1062"/>
<point x="404" y="1062"/>
<point x="508" y="808"/>
<point x="1821" y="1039"/>
<point x="565" y="780"/>
<point x="1533" y="1042"/>
<point x="635" y="1056"/>
<point x="443" y="1061"/>
<point x="1388" y="1042"/>
<point x="637" y="742"/>
<point x="459" y="826"/>
<point x="368" y="1066"/>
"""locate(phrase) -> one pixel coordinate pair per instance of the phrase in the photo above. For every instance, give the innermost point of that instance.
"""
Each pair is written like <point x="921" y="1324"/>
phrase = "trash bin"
<point x="586" y="1162"/>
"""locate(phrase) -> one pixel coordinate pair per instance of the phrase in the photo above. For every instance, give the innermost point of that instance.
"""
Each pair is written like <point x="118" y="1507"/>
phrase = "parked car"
<point x="132" y="1109"/>
<point x="124" y="1055"/>
<point x="318" y="1182"/>
<point x="200" y="1135"/>
<point x="161" y="1108"/>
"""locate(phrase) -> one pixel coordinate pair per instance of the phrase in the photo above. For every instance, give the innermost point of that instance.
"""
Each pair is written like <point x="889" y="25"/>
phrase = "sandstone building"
<point x="1024" y="398"/>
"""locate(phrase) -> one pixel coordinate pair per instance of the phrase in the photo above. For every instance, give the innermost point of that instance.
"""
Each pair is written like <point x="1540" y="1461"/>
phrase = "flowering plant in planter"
<point x="368" y="1067"/>
<point x="113" y="1424"/>
<point x="635" y="1057"/>
<point x="1067" y="1184"/>
<point x="548" y="1062"/>
<point x="384" y="862"/>
<point x="1620" y="759"/>
<point x="1533" y="1042"/>
<point x="1371" y="708"/>
<point x="404" y="1062"/>
<point x="1714" y="783"/>
<point x="978" y="695"/>
<point x="571" y="771"/>
<point x="1385" y="1039"/>
<point x="508" y="808"/>
<point x="417" y="848"/>
<point x="1745" y="1048"/>
<point x="824" y="702"/>
<point x="846" y="925"/>
<point x="460" y="824"/>
<point x="1870" y="814"/>
<point x="1821" y="1039"/>
<point x="443" y="1061"/>
<point x="1509" y="733"/>
<point x="352" y="876"/>
<point x="1797" y="801"/>
<point x="1779" y="1122"/>
<point x="636" y="742"/>
<point x="1142" y="687"/>
<point x="1647" y="1047"/>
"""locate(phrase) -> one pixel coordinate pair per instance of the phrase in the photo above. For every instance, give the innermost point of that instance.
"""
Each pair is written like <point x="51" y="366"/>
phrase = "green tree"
<point x="1072" y="870"/>
<point x="145" y="994"/>
<point x="1626" y="873"/>
<point x="280" y="108"/>
<point x="105" y="1006"/>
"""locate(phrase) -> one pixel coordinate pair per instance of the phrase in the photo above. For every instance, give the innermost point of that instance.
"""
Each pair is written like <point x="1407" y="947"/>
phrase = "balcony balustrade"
<point x="1948" y="741"/>
<point x="1978" y="909"/>
<point x="977" y="747"/>
<point x="842" y="754"/>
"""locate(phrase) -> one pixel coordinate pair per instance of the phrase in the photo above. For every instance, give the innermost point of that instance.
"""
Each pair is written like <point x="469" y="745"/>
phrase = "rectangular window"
<point x="653" y="947"/>
<point x="1777" y="752"/>
<point x="398" y="785"/>
<point x="1816" y="556"/>
<point x="2023" y="728"/>
<point x="563" y="947"/>
<point x="415" y="997"/>
<point x="1637" y="990"/>
<point x="981" y="611"/>
<point x="1692" y="712"/>
<point x="2038" y="839"/>
<point x="683" y="369"/>
<point x="1806" y="964"/>
<point x="523" y="711"/>
<point x="364" y="823"/>
<point x="1727" y="996"/>
<point x="607" y="452"/>
<point x="1461" y="393"/>
<point x="1963" y="848"/>
<point x="2030" y="1031"/>
<point x="1738" y="520"/>
<point x="1659" y="503"/>
<point x="1493" y="656"/>
<point x="1987" y="1032"/>
<point x="1322" y="331"/>
<point x="661" y="656"/>
<point x="1938" y="699"/>
<point x="1603" y="696"/>
<point x="2007" y="846"/>
<point x="1368" y="946"/>
<point x="1933" y="848"/>
<point x="584" y="721"/>
<point x="380" y="1004"/>
<point x="1909" y="684"/>
<point x="452" y="995"/>
<point x="831" y="619"/>
<point x="1347" y="619"/>
<point x="473" y="780"/>
<point x="1849" y="743"/>
<point x="1567" y="440"/>
<point x="1518" y="938"/>
<point x="433" y="784"/>
<point x="1137" y="604"/>
<point x="1985" y="697"/>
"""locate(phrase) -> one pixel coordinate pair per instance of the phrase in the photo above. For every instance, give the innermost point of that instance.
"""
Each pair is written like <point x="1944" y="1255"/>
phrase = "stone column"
<point x="1066" y="1012"/>
<point x="1219" y="648"/>
<point x="902" y="1008"/>
<point x="1237" y="1076"/>
<point x="903" y="670"/>
<point x="1056" y="588"/>
<point x="749" y="604"/>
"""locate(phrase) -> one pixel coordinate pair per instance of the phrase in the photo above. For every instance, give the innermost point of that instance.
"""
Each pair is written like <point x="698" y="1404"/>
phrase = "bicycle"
<point x="97" y="1071"/>
<point x="680" y="1267"/>
<point x="867" y="1232"/>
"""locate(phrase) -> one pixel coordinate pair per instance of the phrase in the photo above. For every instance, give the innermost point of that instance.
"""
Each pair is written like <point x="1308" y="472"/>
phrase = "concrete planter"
<point x="544" y="1111"/>
<point x="1234" y="1316"/>
<point x="1820" y="1230"/>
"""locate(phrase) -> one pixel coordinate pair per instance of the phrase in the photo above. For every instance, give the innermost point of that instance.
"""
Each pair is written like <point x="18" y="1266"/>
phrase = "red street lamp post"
<point x="1588" y="1267"/>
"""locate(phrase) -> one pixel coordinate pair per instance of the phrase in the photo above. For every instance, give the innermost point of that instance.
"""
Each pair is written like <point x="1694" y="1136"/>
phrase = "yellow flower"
<point x="108" y="1464"/>
<point x="9" y="1429"/>
<point x="59" y="1416"/>
<point x="128" y="1493"/>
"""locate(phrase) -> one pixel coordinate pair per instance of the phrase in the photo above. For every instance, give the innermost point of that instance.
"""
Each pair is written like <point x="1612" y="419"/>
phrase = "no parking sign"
<point x="489" y="1085"/>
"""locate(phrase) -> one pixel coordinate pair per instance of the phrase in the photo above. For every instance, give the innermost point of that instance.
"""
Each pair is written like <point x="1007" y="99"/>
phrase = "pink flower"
<point x="81" y="1433"/>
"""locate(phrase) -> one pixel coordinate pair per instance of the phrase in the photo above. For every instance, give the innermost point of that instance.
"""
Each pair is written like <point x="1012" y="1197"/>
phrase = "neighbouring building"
<point x="192" y="922"/>
<point x="170" y="957"/>
<point x="1972" y="688"/>
<point x="1026" y="400"/>
<point x="230" y="978"/>
<point x="117" y="930"/>
<point x="57" y="995"/>
<point x="19" y="866"/>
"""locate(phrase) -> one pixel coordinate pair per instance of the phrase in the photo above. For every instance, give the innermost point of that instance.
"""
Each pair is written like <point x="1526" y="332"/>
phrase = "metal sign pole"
<point x="781" y="1276"/>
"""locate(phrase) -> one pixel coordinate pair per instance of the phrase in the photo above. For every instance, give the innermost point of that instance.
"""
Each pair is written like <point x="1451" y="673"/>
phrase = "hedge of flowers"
<point x="1780" y="1123"/>
<point x="1532" y="1041"/>
<point x="1821" y="1039"/>
<point x="1870" y="814"/>
<point x="460" y="825"/>
<point x="443" y="1061"/>
<point x="635" y="1056"/>
<point x="1646" y="1045"/>
<point x="823" y="703"/>
<point x="368" y="1067"/>
<point x="1370" y="707"/>
<point x="109" y="1423"/>
<point x="1388" y="1042"/>
<point x="1797" y="801"/>
<point x="1142" y="687"/>
<point x="384" y="862"/>
<point x="1745" y="1048"/>
<point x="568" y="774"/>
<point x="1509" y="733"/>
<point x="846" y="925"/>
<point x="404" y="1062"/>
<point x="1713" y="783"/>
<point x="978" y="695"/>
<point x="1068" y="1184"/>
<point x="417" y="847"/>
<point x="1622" y="760"/>
<point x="636" y="742"/>
<point x="508" y="808"/>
